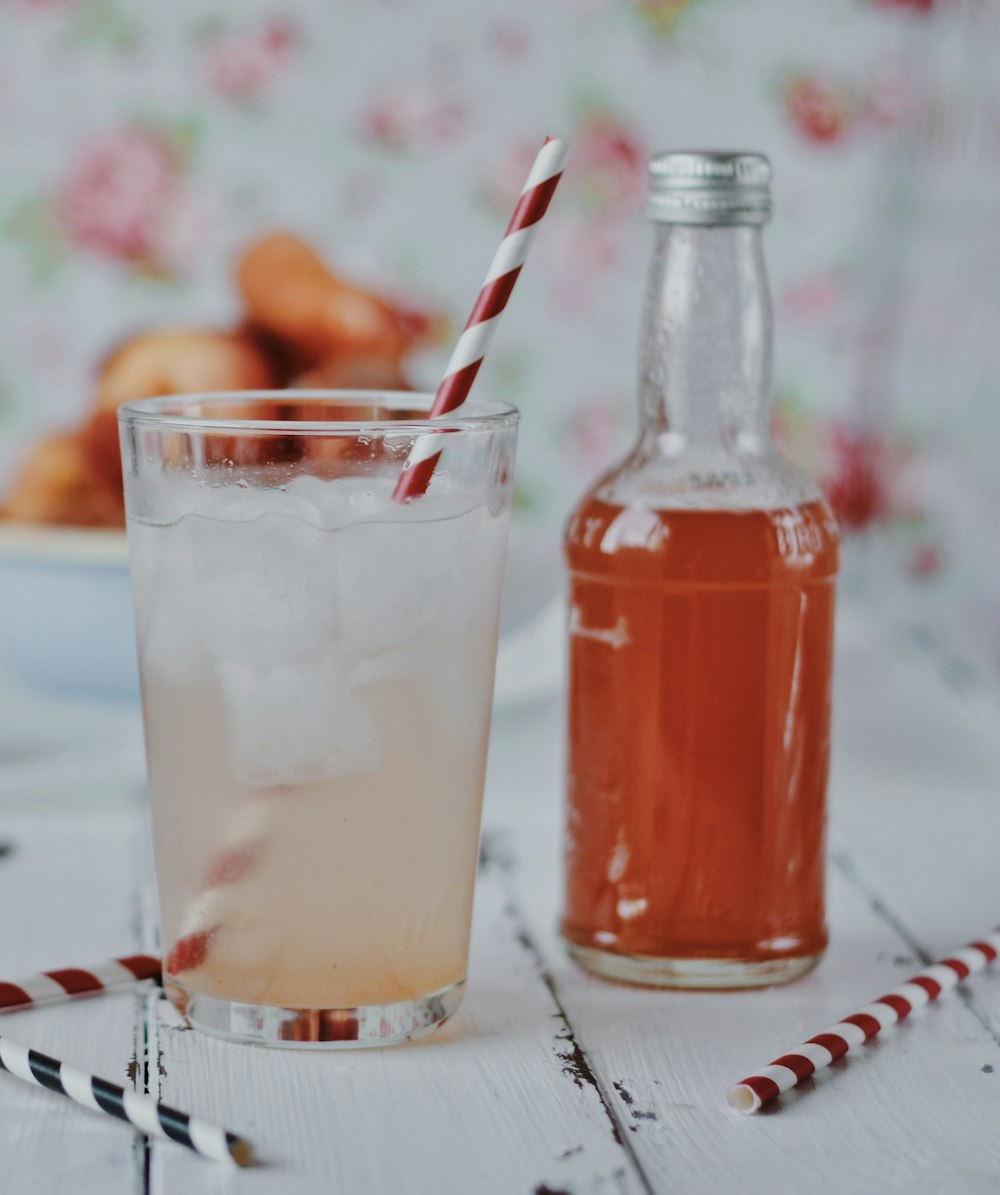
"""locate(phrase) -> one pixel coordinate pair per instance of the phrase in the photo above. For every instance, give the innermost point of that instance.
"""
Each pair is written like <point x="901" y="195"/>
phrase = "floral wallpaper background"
<point x="144" y="144"/>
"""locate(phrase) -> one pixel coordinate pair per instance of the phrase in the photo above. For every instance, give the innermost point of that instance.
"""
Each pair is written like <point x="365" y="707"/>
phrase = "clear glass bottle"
<point x="701" y="626"/>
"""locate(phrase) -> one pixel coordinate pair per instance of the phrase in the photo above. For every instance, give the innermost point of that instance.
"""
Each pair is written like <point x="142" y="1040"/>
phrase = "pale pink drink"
<point x="317" y="672"/>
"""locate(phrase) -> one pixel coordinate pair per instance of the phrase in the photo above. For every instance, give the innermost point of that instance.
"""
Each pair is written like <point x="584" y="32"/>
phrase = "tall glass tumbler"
<point x="317" y="674"/>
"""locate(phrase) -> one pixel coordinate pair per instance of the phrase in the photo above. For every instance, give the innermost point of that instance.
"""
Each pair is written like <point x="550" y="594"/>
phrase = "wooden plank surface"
<point x="550" y="1081"/>
<point x="68" y="898"/>
<point x="916" y="822"/>
<point x="499" y="1100"/>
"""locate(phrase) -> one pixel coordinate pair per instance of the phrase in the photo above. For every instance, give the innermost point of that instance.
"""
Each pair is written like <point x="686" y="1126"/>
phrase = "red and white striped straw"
<point x="819" y="1051"/>
<point x="53" y="987"/>
<point x="470" y="350"/>
<point x="213" y="903"/>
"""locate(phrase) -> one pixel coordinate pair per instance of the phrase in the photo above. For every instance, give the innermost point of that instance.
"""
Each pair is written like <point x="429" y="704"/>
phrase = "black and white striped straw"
<point x="140" y="1111"/>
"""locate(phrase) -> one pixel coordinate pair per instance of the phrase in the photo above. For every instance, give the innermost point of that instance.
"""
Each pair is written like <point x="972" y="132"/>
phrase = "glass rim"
<point x="177" y="412"/>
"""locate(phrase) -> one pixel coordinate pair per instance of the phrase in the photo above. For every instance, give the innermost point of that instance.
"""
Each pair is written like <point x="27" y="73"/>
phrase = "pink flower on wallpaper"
<point x="40" y="5"/>
<point x="812" y="298"/>
<point x="510" y="40"/>
<point x="607" y="170"/>
<point x="606" y="177"/>
<point x="413" y="116"/>
<point x="579" y="254"/>
<point x="858" y="486"/>
<point x="825" y="112"/>
<point x="893" y="97"/>
<point x="117" y="193"/>
<point x="609" y="160"/>
<point x="821" y="111"/>
<point x="242" y="65"/>
<point x="926" y="560"/>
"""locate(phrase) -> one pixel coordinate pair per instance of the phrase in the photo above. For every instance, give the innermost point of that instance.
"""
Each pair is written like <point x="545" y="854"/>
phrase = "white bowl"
<point x="66" y="624"/>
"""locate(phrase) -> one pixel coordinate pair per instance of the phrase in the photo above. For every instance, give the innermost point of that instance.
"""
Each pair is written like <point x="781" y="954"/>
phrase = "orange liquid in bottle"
<point x="700" y="665"/>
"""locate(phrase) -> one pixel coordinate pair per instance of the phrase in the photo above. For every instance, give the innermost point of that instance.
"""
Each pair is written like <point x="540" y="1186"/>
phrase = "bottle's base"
<point x="316" y="1028"/>
<point x="695" y="973"/>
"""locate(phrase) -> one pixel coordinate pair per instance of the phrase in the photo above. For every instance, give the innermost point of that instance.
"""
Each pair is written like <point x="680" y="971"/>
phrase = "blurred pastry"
<point x="61" y="483"/>
<point x="289" y="292"/>
<point x="353" y="373"/>
<point x="284" y="360"/>
<point x="182" y="361"/>
<point x="304" y="328"/>
<point x="368" y="374"/>
<point x="99" y="438"/>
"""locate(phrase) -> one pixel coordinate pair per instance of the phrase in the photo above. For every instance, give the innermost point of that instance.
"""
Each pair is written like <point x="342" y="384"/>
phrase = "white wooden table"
<point x="547" y="1081"/>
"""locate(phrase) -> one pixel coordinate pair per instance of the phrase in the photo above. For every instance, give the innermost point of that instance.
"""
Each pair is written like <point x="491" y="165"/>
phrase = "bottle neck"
<point x="705" y="354"/>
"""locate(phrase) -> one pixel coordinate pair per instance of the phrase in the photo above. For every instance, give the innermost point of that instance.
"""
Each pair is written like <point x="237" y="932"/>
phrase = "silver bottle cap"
<point x="709" y="187"/>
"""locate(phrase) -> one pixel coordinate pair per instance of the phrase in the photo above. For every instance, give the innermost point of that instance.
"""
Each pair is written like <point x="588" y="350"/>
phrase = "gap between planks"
<point x="144" y="1078"/>
<point x="576" y="1065"/>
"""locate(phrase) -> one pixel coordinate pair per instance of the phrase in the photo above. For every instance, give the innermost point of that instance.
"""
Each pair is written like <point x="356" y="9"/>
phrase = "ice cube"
<point x="328" y="500"/>
<point x="295" y="721"/>
<point x="302" y="598"/>
<point x="167" y="623"/>
<point x="266" y="603"/>
<point x="415" y="578"/>
<point x="264" y="576"/>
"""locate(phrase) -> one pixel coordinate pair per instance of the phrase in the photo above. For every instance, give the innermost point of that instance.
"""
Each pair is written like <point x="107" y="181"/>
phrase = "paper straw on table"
<point x="140" y="1111"/>
<point x="470" y="350"/>
<point x="54" y="987"/>
<point x="819" y="1051"/>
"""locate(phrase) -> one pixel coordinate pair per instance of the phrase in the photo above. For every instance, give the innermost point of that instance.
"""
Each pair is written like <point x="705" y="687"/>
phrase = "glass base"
<point x="701" y="973"/>
<point x="316" y="1028"/>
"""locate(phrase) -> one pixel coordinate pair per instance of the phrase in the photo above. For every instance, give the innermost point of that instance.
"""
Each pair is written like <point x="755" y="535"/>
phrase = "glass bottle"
<point x="701" y="627"/>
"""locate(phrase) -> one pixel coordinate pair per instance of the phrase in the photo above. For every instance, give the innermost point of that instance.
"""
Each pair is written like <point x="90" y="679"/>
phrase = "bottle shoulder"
<point x="712" y="479"/>
<point x="790" y="543"/>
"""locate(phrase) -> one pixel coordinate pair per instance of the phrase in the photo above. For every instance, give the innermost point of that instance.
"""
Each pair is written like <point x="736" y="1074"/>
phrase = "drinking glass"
<point x="317" y="672"/>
